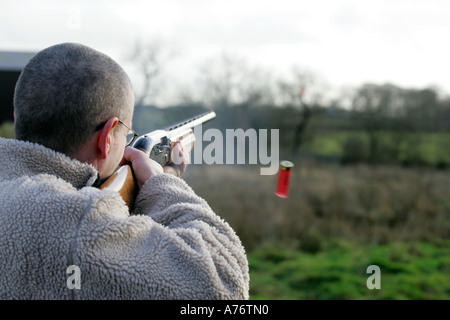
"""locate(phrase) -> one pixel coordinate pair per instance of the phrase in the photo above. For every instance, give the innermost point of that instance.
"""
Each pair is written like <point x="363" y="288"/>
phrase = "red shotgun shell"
<point x="284" y="178"/>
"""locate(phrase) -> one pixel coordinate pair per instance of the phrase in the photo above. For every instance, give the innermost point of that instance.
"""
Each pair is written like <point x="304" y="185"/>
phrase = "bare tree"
<point x="258" y="88"/>
<point x="148" y="58"/>
<point x="303" y="93"/>
<point x="376" y="108"/>
<point x="230" y="80"/>
<point x="220" y="78"/>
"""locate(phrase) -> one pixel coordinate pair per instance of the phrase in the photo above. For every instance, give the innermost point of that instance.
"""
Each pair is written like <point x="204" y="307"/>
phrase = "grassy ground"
<point x="7" y="130"/>
<point x="407" y="271"/>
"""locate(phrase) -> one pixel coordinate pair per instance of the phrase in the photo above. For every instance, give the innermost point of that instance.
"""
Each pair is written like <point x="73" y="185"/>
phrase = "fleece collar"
<point x="19" y="158"/>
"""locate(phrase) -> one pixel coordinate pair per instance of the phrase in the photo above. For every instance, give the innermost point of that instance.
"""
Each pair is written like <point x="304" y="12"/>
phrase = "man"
<point x="61" y="237"/>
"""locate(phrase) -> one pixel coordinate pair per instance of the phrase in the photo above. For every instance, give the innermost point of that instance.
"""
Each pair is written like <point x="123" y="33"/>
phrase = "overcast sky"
<point x="347" y="42"/>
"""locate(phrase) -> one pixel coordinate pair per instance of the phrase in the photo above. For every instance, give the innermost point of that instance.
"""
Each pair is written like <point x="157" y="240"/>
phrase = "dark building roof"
<point x="14" y="61"/>
<point x="11" y="64"/>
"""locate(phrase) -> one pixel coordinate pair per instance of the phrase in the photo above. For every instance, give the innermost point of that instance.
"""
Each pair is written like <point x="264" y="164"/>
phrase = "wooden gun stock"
<point x="158" y="145"/>
<point x="123" y="182"/>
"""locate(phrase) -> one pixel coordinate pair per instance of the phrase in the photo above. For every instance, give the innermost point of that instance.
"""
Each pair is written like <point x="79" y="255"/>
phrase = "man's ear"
<point x="106" y="136"/>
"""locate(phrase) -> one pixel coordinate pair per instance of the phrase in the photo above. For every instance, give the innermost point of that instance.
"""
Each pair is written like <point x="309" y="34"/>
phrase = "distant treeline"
<point x="383" y="123"/>
<point x="369" y="107"/>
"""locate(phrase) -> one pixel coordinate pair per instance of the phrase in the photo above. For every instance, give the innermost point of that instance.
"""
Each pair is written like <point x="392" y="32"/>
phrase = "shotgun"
<point x="158" y="145"/>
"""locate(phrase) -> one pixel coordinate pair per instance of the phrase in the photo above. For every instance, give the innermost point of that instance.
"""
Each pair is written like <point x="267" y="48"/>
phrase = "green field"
<point x="408" y="271"/>
<point x="430" y="148"/>
<point x="7" y="130"/>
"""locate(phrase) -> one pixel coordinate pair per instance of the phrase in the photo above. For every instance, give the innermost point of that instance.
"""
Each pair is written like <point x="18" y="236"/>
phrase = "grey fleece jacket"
<point x="173" y="246"/>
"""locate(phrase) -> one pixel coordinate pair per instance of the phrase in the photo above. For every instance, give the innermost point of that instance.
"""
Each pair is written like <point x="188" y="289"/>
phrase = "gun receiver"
<point x="158" y="145"/>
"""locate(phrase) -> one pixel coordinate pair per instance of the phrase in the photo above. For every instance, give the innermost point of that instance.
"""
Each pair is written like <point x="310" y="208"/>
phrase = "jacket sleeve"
<point x="173" y="247"/>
